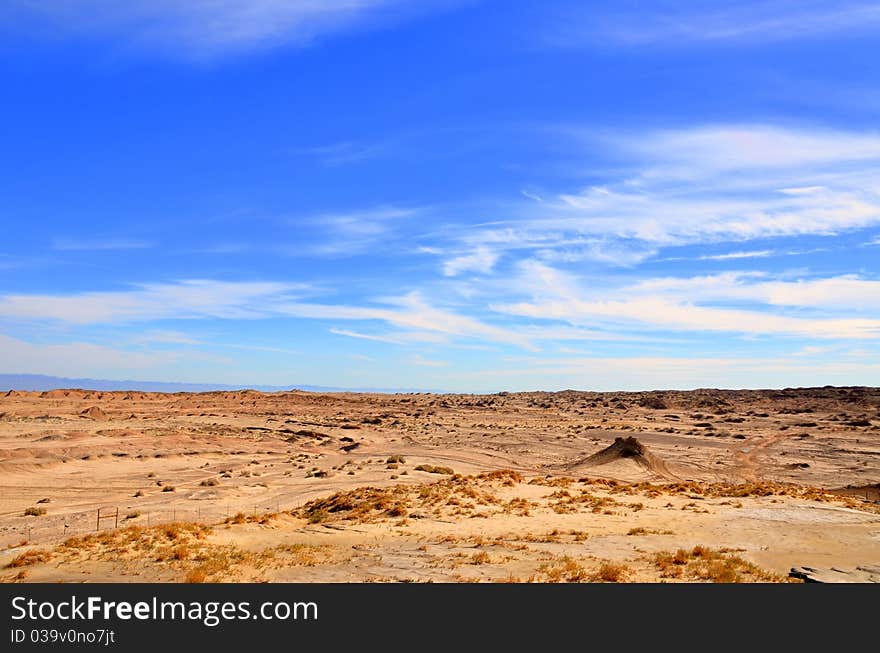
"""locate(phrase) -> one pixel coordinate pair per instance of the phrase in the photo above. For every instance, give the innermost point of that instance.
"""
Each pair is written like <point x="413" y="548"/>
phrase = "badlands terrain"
<point x="705" y="485"/>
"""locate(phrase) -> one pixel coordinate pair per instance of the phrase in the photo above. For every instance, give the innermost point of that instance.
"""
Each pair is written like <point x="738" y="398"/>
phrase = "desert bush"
<point x="30" y="557"/>
<point x="435" y="469"/>
<point x="197" y="575"/>
<point x="611" y="573"/>
<point x="34" y="512"/>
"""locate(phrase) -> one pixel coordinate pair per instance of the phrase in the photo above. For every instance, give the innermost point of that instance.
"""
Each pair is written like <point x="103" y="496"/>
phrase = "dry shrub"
<point x="507" y="476"/>
<point x="435" y="469"/>
<point x="33" y="511"/>
<point x="709" y="565"/>
<point x="564" y="570"/>
<point x="238" y="518"/>
<point x="30" y="557"/>
<point x="611" y="573"/>
<point x="197" y="575"/>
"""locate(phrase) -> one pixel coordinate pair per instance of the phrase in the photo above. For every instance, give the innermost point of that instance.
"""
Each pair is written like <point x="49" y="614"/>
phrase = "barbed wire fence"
<point x="55" y="529"/>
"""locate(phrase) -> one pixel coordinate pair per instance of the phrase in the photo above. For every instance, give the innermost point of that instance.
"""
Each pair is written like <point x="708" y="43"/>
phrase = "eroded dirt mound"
<point x="626" y="448"/>
<point x="95" y="413"/>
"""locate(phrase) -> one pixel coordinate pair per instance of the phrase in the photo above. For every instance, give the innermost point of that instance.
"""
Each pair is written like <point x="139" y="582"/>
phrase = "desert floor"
<point x="705" y="485"/>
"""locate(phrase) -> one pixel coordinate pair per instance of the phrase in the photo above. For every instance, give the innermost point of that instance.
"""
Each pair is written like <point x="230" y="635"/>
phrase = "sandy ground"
<point x="758" y="481"/>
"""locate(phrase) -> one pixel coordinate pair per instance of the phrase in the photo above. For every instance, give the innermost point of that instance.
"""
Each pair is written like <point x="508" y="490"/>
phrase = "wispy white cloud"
<point x="412" y="315"/>
<point x="424" y="362"/>
<point x="211" y="27"/>
<point x="395" y="337"/>
<point x="700" y="185"/>
<point x="353" y="232"/>
<point x="701" y="151"/>
<point x="348" y="333"/>
<point x="66" y="244"/>
<point x="410" y="312"/>
<point x="195" y="298"/>
<point x="687" y="23"/>
<point x="668" y="315"/>
<point x="482" y="259"/>
<point x="844" y="293"/>
<point x="670" y="372"/>
<point x="735" y="303"/>
<point x="77" y="359"/>
<point x="346" y="152"/>
<point x="272" y="350"/>
<point x="165" y="337"/>
<point x="760" y="253"/>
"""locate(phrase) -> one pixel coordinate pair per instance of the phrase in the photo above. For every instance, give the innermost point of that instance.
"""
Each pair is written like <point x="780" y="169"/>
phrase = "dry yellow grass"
<point x="703" y="564"/>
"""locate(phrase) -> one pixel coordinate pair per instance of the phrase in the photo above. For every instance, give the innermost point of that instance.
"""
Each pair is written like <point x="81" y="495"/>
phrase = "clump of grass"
<point x="139" y="493"/>
<point x="33" y="511"/>
<point x="133" y="515"/>
<point x="29" y="557"/>
<point x="209" y="482"/>
<point x="197" y="575"/>
<point x="317" y="516"/>
<point x="435" y="469"/>
<point x="611" y="573"/>
<point x="564" y="570"/>
<point x="716" y="566"/>
<point x="480" y="558"/>
<point x="168" y="488"/>
<point x="397" y="510"/>
<point x="395" y="459"/>
<point x="214" y="564"/>
<point x="640" y="530"/>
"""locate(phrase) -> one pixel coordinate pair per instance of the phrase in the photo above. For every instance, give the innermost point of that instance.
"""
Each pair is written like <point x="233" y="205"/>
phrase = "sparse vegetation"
<point x="435" y="469"/>
<point x="708" y="565"/>
<point x="33" y="511"/>
<point x="29" y="557"/>
<point x="611" y="573"/>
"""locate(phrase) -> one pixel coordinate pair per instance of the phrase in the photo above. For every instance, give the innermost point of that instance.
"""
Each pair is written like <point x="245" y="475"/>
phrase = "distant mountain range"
<point x="40" y="382"/>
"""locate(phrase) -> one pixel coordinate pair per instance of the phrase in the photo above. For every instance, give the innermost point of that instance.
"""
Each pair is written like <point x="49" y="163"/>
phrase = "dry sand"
<point x="300" y="486"/>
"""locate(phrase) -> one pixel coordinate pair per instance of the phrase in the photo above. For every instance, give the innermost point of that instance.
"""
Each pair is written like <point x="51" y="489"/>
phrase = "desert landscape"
<point x="706" y="485"/>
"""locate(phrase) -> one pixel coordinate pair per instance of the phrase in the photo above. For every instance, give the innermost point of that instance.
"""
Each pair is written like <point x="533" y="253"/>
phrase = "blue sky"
<point x="458" y="195"/>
